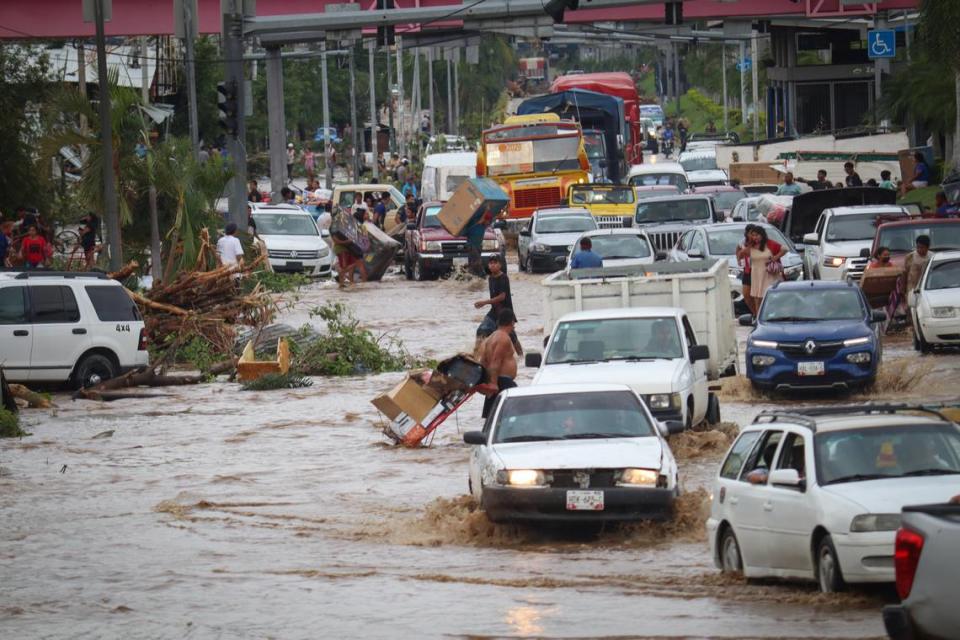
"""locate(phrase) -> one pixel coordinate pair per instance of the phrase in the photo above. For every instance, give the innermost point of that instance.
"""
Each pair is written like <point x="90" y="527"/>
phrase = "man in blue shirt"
<point x="789" y="187"/>
<point x="586" y="258"/>
<point x="409" y="188"/>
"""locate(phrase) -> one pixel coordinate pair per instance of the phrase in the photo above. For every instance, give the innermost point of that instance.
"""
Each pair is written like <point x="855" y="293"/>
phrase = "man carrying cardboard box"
<point x="474" y="234"/>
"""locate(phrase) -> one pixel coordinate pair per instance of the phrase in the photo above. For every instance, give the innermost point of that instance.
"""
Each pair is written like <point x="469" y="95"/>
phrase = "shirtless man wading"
<point x="497" y="356"/>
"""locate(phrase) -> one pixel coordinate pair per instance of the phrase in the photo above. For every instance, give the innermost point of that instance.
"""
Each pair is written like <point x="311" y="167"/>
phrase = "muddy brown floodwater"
<point x="215" y="512"/>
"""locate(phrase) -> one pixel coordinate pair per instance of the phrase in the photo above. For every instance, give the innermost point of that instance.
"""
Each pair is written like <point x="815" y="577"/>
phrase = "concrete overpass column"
<point x="276" y="124"/>
<point x="791" y="97"/>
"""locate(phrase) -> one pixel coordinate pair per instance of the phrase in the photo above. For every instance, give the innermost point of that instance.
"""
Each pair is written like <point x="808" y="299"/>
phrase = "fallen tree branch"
<point x="34" y="400"/>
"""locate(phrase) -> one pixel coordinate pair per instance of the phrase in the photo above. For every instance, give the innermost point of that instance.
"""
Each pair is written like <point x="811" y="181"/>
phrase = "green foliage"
<point x="272" y="381"/>
<point x="199" y="353"/>
<point x="209" y="71"/>
<point x="346" y="348"/>
<point x="922" y="92"/>
<point x="10" y="425"/>
<point x="939" y="31"/>
<point x="276" y="282"/>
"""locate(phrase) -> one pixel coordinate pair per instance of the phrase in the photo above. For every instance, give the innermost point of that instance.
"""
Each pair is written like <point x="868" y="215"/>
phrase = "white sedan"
<point x="625" y="247"/>
<point x="936" y="303"/>
<point x="572" y="453"/>
<point x="816" y="493"/>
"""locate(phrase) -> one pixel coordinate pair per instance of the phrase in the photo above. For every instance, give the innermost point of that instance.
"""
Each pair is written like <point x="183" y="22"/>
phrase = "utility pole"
<point x="355" y="165"/>
<point x="401" y="109"/>
<point x="144" y="72"/>
<point x="449" y="93"/>
<point x="723" y="67"/>
<point x="233" y="67"/>
<point x="430" y="88"/>
<point x="374" y="116"/>
<point x="276" y="123"/>
<point x="327" y="148"/>
<point x="82" y="81"/>
<point x="676" y="76"/>
<point x="189" y="31"/>
<point x="110" y="213"/>
<point x="743" y="82"/>
<point x="416" y="99"/>
<point x="393" y="134"/>
<point x="756" y="86"/>
<point x="456" y="94"/>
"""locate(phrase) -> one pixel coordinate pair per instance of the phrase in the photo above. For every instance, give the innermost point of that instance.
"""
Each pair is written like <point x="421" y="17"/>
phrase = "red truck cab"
<point x="431" y="251"/>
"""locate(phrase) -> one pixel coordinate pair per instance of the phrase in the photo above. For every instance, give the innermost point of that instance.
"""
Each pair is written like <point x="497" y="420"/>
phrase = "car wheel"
<point x="688" y="423"/>
<point x="919" y="342"/>
<point x="829" y="574"/>
<point x="713" y="410"/>
<point x="730" y="559"/>
<point x="520" y="263"/>
<point x="93" y="369"/>
<point x="407" y="269"/>
<point x="419" y="273"/>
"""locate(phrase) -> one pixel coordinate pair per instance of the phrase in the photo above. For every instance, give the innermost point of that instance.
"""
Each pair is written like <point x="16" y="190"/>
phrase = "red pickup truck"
<point x="430" y="251"/>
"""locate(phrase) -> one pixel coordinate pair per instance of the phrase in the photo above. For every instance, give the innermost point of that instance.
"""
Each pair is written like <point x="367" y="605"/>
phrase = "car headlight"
<point x="491" y="245"/>
<point x="433" y="246"/>
<point x="875" y="522"/>
<point x="763" y="344"/>
<point x="833" y="261"/>
<point x="762" y="361"/>
<point x="943" y="312"/>
<point x="522" y="477"/>
<point x="663" y="400"/>
<point x="645" y="477"/>
<point x="853" y="342"/>
<point x="324" y="252"/>
<point x="862" y="357"/>
<point x="539" y="247"/>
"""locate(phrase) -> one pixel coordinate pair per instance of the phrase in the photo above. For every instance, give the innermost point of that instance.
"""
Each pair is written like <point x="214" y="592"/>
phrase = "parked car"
<point x="72" y="327"/>
<point x="334" y="136"/>
<point x="833" y="249"/>
<point x="665" y="219"/>
<point x="618" y="247"/>
<point x="816" y="493"/>
<point x="926" y="564"/>
<point x="572" y="453"/>
<point x="814" y="335"/>
<point x="658" y="174"/>
<point x="652" y="349"/>
<point x="746" y="210"/>
<point x="293" y="240"/>
<point x="708" y="178"/>
<point x="719" y="241"/>
<point x="431" y="251"/>
<point x="900" y="237"/>
<point x="725" y="198"/>
<point x="545" y="242"/>
<point x="936" y="303"/>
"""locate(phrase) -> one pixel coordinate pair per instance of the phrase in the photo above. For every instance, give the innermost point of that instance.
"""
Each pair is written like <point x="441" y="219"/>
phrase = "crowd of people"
<point x="27" y="240"/>
<point x="909" y="278"/>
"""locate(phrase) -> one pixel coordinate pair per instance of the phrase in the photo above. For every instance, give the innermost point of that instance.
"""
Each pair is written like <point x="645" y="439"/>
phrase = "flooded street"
<point x="210" y="511"/>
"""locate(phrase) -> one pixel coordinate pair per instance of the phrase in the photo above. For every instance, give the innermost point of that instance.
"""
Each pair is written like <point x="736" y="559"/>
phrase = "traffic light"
<point x="385" y="35"/>
<point x="227" y="106"/>
<point x="556" y="8"/>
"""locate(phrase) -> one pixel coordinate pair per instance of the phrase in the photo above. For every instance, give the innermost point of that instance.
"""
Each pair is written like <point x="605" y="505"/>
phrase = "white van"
<point x="444" y="172"/>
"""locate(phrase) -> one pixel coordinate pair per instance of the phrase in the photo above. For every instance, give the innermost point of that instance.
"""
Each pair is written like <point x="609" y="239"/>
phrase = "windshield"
<point x="651" y="111"/>
<point x="945" y="275"/>
<point x="811" y="305"/>
<point x="698" y="163"/>
<point x="887" y="452"/>
<point x="727" y="200"/>
<point x="594" y="143"/>
<point x="285" y="224"/>
<point x="430" y="218"/>
<point x="677" y="180"/>
<point x="724" y="242"/>
<point x="857" y="227"/>
<point x="565" y="224"/>
<point x="569" y="416"/>
<point x="673" y="210"/>
<point x="903" y="239"/>
<point x="510" y="151"/>
<point x="621" y="246"/>
<point x="611" y="195"/>
<point x="615" y="339"/>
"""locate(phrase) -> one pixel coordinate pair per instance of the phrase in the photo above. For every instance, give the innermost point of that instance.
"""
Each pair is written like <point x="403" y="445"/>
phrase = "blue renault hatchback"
<point x="814" y="335"/>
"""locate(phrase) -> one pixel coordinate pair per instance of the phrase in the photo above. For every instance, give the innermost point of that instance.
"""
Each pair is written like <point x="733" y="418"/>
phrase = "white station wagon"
<point x="572" y="453"/>
<point x="817" y="493"/>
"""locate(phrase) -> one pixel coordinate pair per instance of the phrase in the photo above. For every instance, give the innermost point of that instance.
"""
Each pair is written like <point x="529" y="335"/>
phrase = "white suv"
<point x="816" y="493"/>
<point x="293" y="240"/>
<point x="833" y="248"/>
<point x="68" y="327"/>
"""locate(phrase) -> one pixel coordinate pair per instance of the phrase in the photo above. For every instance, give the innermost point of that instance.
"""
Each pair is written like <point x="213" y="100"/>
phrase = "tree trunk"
<point x="955" y="156"/>
<point x="156" y="267"/>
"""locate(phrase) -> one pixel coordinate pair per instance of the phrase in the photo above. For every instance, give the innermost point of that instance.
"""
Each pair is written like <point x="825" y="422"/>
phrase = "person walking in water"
<point x="497" y="357"/>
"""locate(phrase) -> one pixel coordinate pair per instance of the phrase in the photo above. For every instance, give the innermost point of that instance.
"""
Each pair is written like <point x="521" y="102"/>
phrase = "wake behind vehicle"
<point x="572" y="453"/>
<point x="545" y="242"/>
<point x="815" y="493"/>
<point x="936" y="303"/>
<point x="430" y="251"/>
<point x="814" y="335"/>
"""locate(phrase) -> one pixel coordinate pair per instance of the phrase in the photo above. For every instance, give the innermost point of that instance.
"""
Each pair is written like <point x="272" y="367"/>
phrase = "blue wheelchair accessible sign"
<point x="881" y="43"/>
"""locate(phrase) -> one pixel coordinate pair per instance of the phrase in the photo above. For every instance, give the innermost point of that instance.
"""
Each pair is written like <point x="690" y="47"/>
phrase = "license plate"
<point x="810" y="369"/>
<point x="294" y="265"/>
<point x="584" y="500"/>
<point x="460" y="262"/>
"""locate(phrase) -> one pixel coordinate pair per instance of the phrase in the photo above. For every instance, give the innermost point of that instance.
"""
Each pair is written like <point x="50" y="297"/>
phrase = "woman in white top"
<point x="763" y="251"/>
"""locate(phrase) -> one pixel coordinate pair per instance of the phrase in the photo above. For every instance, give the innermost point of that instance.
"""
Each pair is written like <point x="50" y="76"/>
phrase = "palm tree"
<point x="940" y="37"/>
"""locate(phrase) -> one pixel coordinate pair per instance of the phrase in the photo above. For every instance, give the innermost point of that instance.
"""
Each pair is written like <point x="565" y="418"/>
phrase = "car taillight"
<point x="142" y="343"/>
<point x="906" y="557"/>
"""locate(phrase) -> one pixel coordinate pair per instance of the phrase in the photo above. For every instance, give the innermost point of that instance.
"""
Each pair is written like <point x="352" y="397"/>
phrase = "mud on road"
<point x="215" y="512"/>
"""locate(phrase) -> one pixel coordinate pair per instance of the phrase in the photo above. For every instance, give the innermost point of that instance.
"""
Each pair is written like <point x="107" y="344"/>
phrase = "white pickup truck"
<point x="666" y="330"/>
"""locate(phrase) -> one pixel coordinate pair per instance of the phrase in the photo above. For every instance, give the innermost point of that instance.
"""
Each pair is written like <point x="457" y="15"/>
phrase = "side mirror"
<point x="864" y="253"/>
<point x="785" y="478"/>
<point x="411" y="226"/>
<point x="525" y="233"/>
<point x="811" y="238"/>
<point x="475" y="437"/>
<point x="533" y="359"/>
<point x="878" y="315"/>
<point x="695" y="253"/>
<point x="499" y="224"/>
<point x="699" y="352"/>
<point x="746" y="320"/>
